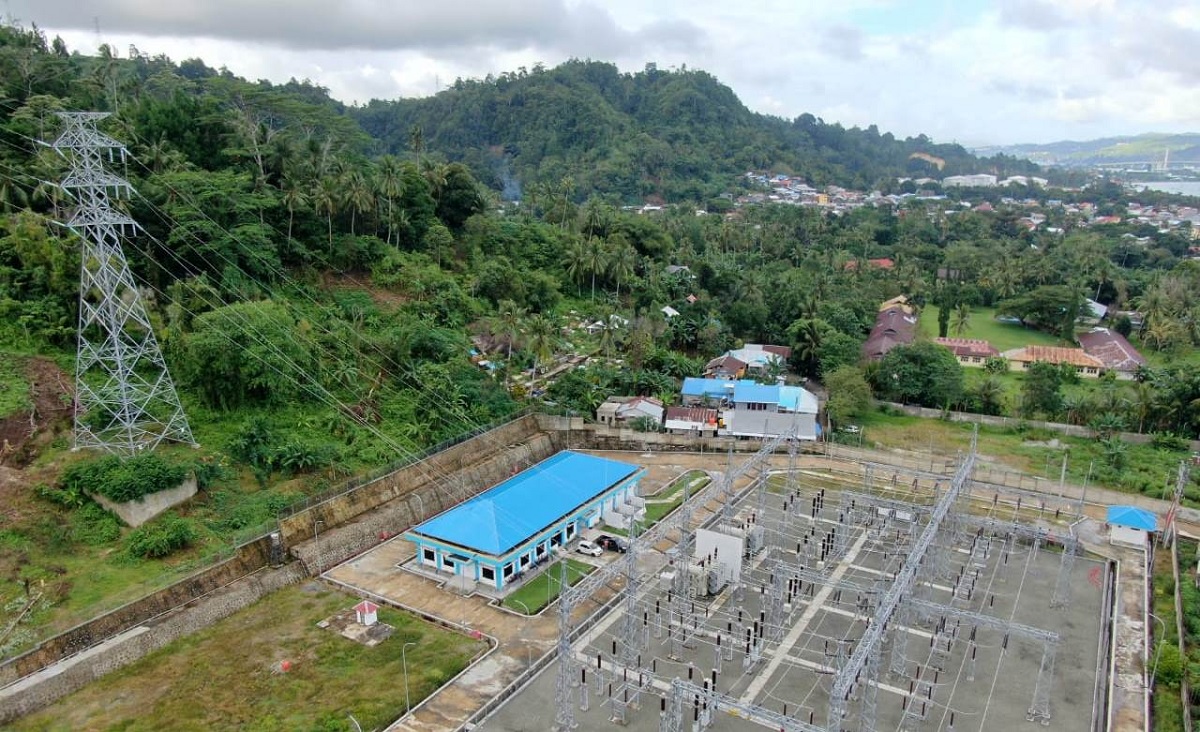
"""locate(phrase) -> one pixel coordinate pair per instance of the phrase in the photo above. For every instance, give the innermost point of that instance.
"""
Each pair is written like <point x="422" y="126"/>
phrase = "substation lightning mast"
<point x="124" y="398"/>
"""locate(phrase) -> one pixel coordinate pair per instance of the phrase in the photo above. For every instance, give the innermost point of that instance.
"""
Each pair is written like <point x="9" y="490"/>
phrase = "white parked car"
<point x="588" y="547"/>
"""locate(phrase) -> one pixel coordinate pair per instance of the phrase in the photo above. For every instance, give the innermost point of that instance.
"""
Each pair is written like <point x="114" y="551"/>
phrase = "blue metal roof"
<point x="715" y="388"/>
<point x="1132" y="517"/>
<point x="503" y="517"/>
<point x="749" y="391"/>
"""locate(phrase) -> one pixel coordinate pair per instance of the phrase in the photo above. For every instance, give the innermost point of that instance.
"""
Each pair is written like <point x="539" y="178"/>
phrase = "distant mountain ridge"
<point x="1152" y="146"/>
<point x="674" y="135"/>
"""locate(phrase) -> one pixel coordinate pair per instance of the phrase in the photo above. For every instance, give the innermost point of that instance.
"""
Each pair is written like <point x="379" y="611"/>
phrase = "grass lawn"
<point x="1143" y="468"/>
<point x="983" y="325"/>
<point x="540" y="591"/>
<point x="226" y="676"/>
<point x="664" y="503"/>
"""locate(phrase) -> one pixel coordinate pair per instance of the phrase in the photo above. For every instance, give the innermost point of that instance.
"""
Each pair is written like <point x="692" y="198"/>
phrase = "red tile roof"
<point x="1054" y="354"/>
<point x="692" y="414"/>
<point x="968" y="347"/>
<point x="1112" y="348"/>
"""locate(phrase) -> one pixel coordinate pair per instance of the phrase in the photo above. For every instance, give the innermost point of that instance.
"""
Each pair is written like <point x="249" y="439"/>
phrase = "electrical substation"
<point x="912" y="601"/>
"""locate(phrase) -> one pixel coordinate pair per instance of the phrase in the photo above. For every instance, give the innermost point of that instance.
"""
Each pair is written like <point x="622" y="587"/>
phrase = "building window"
<point x="541" y="550"/>
<point x="570" y="531"/>
<point x="487" y="573"/>
<point x="508" y="570"/>
<point x="524" y="561"/>
<point x="448" y="563"/>
<point x="429" y="555"/>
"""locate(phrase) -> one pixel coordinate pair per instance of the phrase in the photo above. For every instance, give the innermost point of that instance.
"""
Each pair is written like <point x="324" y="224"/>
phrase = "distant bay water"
<point x="1183" y="187"/>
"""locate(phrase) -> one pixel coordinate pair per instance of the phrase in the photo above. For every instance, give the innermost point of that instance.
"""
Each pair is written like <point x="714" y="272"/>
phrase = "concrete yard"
<point x="995" y="692"/>
<point x="995" y="582"/>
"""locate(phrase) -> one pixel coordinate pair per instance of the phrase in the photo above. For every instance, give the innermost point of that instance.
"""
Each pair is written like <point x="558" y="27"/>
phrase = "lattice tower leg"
<point x="564" y="707"/>
<point x="1062" y="587"/>
<point x="672" y="715"/>
<point x="870" y="689"/>
<point x="1039" y="710"/>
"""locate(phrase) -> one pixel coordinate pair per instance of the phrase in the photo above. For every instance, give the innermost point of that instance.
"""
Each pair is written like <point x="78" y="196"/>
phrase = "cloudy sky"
<point x="972" y="71"/>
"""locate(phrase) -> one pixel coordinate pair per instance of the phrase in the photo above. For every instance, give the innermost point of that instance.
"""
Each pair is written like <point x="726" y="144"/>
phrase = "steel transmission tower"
<point x="124" y="398"/>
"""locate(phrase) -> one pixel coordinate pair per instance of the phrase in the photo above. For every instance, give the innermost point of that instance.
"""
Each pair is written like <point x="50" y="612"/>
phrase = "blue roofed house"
<point x="706" y="392"/>
<point x="494" y="538"/>
<point x="1130" y="526"/>
<point x="760" y="410"/>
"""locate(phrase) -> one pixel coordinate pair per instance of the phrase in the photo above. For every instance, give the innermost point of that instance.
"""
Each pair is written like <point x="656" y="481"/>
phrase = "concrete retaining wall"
<point x="136" y="513"/>
<point x="336" y="511"/>
<point x="249" y="558"/>
<point x="39" y="691"/>
<point x="328" y="548"/>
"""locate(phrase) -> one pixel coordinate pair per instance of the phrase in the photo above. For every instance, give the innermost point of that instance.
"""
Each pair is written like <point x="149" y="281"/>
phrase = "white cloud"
<point x="1013" y="70"/>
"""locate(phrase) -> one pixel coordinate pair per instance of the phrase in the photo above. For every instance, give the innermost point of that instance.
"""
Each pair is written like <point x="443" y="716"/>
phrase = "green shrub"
<point x="123" y="480"/>
<point x="1168" y="441"/>
<point x="160" y="538"/>
<point x="93" y="526"/>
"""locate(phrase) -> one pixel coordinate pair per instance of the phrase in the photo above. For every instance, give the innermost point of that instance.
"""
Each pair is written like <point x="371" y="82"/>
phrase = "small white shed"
<point x="366" y="613"/>
<point x="1130" y="526"/>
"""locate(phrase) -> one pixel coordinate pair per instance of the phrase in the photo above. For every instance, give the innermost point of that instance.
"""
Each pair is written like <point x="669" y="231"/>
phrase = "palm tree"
<point x="575" y="261"/>
<point x="595" y="260"/>
<point x="508" y="326"/>
<point x="962" y="319"/>
<point x="357" y="195"/>
<point x="294" y="197"/>
<point x="611" y="334"/>
<point x="543" y="339"/>
<point x="416" y="142"/>
<point x="390" y="185"/>
<point x="327" y="199"/>
<point x="807" y="351"/>
<point x="621" y="261"/>
<point x="990" y="393"/>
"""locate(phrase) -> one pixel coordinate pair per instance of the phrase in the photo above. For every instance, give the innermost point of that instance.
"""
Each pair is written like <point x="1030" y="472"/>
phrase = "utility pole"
<point x="125" y="400"/>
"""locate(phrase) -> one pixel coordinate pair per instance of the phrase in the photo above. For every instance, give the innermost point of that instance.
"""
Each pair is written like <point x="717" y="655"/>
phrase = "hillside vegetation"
<point x="671" y="135"/>
<point x="318" y="304"/>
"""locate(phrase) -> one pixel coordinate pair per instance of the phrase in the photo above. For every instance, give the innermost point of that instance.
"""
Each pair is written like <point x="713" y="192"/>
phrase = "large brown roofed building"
<point x="969" y="351"/>
<point x="893" y="327"/>
<point x="1114" y="350"/>
<point x="1020" y="358"/>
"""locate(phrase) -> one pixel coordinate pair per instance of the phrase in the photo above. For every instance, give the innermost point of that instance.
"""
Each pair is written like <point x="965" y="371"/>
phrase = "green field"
<point x="983" y="325"/>
<point x="228" y="675"/>
<point x="1145" y="469"/>
<point x="541" y="590"/>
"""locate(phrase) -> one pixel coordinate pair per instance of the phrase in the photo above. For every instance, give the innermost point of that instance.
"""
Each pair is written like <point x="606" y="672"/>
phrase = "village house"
<point x="1019" y="359"/>
<point x="895" y="325"/>
<point x="1113" y="350"/>
<point x="970" y="352"/>
<point x="697" y="421"/>
<point x="619" y="411"/>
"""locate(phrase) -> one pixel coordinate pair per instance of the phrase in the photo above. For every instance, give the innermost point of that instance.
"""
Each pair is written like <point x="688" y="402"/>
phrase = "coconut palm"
<point x="508" y="326"/>
<point x="542" y="339"/>
<point x="326" y="199"/>
<point x="294" y="197"/>
<point x="962" y="319"/>
<point x="356" y="195"/>
<point x="389" y="184"/>
<point x="622" y="260"/>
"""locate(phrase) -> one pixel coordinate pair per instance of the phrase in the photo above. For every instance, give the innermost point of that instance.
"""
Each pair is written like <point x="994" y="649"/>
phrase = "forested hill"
<point x="679" y="135"/>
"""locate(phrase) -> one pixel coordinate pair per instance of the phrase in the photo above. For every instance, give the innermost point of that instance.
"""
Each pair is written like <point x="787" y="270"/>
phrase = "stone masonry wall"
<point x="184" y="621"/>
<point x="249" y="558"/>
<point x="336" y="511"/>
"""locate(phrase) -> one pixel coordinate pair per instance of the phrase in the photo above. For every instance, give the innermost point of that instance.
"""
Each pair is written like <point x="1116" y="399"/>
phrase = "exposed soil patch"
<point x="22" y="435"/>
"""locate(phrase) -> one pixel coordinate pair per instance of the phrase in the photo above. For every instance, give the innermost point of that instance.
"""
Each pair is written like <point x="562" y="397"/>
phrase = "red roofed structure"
<point x="1113" y="350"/>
